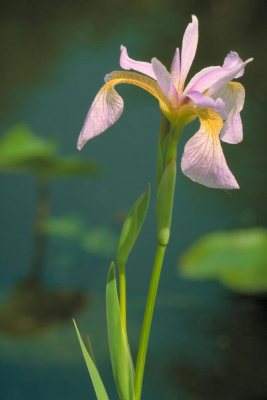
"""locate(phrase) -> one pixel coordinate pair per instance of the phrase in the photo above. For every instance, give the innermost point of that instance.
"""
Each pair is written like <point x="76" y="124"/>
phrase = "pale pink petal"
<point x="203" y="159"/>
<point x="233" y="67"/>
<point x="233" y="95"/>
<point x="232" y="132"/>
<point x="216" y="77"/>
<point x="197" y="78"/>
<point x="106" y="109"/>
<point x="206" y="102"/>
<point x="175" y="67"/>
<point x="164" y="80"/>
<point x="128" y="63"/>
<point x="189" y="47"/>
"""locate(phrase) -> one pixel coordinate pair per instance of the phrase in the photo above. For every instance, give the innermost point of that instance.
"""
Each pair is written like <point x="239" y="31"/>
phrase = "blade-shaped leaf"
<point x="100" y="391"/>
<point x="131" y="227"/>
<point x="121" y="360"/>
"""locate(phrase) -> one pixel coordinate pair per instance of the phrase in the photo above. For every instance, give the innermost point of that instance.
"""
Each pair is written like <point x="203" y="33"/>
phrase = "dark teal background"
<point x="206" y="342"/>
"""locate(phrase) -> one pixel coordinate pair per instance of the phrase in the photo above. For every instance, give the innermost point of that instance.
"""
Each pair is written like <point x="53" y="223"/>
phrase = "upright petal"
<point x="107" y="106"/>
<point x="233" y="95"/>
<point x="164" y="80"/>
<point x="214" y="78"/>
<point x="175" y="67"/>
<point x="203" y="159"/>
<point x="189" y="47"/>
<point x="128" y="63"/>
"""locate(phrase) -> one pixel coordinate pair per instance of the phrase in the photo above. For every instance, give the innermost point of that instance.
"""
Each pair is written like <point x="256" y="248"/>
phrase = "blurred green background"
<point x="61" y="211"/>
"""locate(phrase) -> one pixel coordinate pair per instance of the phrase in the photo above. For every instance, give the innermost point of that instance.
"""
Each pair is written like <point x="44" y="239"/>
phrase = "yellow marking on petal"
<point x="235" y="86"/>
<point x="133" y="78"/>
<point x="210" y="121"/>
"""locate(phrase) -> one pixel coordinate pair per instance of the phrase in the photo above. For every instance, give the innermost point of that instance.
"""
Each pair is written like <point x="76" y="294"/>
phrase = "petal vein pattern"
<point x="203" y="160"/>
<point x="233" y="95"/>
<point x="108" y="105"/>
<point x="189" y="47"/>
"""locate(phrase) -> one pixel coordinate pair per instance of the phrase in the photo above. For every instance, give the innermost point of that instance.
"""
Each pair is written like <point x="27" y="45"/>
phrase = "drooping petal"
<point x="203" y="160"/>
<point x="107" y="106"/>
<point x="106" y="109"/>
<point x="214" y="78"/>
<point x="140" y="66"/>
<point x="175" y="67"/>
<point x="233" y="94"/>
<point x="164" y="80"/>
<point x="189" y="47"/>
<point x="206" y="102"/>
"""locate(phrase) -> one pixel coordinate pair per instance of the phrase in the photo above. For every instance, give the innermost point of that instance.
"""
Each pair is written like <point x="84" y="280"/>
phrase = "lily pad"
<point x="100" y="241"/>
<point x="22" y="151"/>
<point x="66" y="226"/>
<point x="20" y="144"/>
<point x="238" y="259"/>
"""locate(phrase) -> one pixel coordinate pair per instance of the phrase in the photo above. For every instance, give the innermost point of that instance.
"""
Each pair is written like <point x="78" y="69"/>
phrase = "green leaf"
<point x="23" y="151"/>
<point x="165" y="201"/>
<point x="121" y="360"/>
<point x="20" y="144"/>
<point x="131" y="228"/>
<point x="69" y="166"/>
<point x="65" y="226"/>
<point x="100" y="241"/>
<point x="100" y="391"/>
<point x="238" y="259"/>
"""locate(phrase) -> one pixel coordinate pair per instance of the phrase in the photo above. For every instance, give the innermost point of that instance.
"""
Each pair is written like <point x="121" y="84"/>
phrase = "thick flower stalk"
<point x="210" y="95"/>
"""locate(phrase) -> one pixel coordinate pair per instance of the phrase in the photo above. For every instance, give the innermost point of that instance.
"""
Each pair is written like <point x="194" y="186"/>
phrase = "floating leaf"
<point x="67" y="227"/>
<point x="100" y="390"/>
<point x="131" y="228"/>
<point x="238" y="259"/>
<point x="21" y="144"/>
<point x="71" y="166"/>
<point x="121" y="360"/>
<point x="100" y="241"/>
<point x="23" y="151"/>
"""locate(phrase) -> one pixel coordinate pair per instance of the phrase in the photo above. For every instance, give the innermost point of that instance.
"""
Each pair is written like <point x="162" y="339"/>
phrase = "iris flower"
<point x="210" y="95"/>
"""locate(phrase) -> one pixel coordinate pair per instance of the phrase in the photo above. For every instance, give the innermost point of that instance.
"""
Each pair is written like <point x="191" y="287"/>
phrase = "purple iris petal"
<point x="214" y="78"/>
<point x="189" y="47"/>
<point x="206" y="102"/>
<point x="164" y="80"/>
<point x="233" y="95"/>
<point x="175" y="67"/>
<point x="203" y="161"/>
<point x="128" y="63"/>
<point x="106" y="109"/>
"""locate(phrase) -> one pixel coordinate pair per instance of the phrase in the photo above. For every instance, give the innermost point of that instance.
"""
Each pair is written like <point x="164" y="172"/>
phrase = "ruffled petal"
<point x="214" y="78"/>
<point x="164" y="80"/>
<point x="203" y="160"/>
<point x="206" y="102"/>
<point x="233" y="94"/>
<point x="128" y="63"/>
<point x="107" y="106"/>
<point x="189" y="47"/>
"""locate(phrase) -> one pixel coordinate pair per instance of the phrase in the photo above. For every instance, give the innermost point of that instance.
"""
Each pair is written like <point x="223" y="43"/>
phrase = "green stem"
<point x="122" y="279"/>
<point x="141" y="358"/>
<point x="168" y="141"/>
